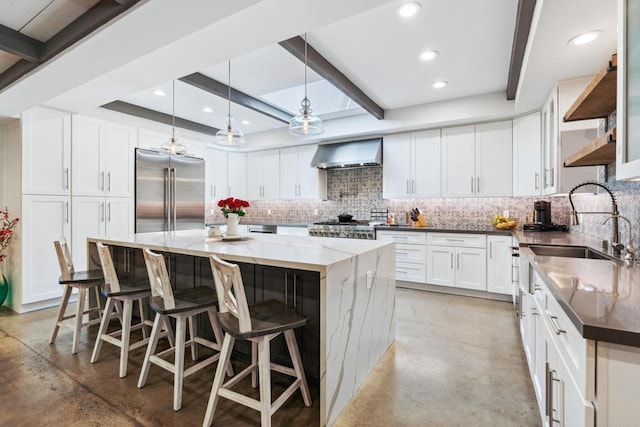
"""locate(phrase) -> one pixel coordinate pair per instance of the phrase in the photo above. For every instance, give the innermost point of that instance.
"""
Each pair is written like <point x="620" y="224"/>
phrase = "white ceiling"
<point x="158" y="41"/>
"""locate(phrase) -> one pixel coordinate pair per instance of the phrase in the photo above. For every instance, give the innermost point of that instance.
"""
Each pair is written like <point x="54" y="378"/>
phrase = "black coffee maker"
<point x="542" y="212"/>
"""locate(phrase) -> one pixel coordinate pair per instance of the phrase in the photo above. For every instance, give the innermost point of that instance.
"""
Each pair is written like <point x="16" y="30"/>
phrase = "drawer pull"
<point x="555" y="325"/>
<point x="454" y="240"/>
<point x="537" y="288"/>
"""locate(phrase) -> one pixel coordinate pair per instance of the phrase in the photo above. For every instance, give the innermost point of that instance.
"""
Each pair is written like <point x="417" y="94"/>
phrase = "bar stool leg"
<point x="66" y="294"/>
<point x="178" y="374"/>
<point x="217" y="331"/>
<point x="290" y="337"/>
<point x="192" y="335"/>
<point x="82" y="296"/>
<point x="218" y="379"/>
<point x="126" y="334"/>
<point x="264" y="372"/>
<point x="169" y="329"/>
<point x="104" y="325"/>
<point x="151" y="349"/>
<point x="143" y="319"/>
<point x="254" y="363"/>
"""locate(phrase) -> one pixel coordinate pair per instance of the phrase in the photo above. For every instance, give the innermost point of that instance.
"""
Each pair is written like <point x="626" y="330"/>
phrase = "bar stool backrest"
<point x="230" y="290"/>
<point x="159" y="278"/>
<point x="64" y="258"/>
<point x="111" y="282"/>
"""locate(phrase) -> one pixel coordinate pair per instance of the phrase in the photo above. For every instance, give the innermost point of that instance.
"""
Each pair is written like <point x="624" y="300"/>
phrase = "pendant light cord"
<point x="229" y="95"/>
<point x="173" y="110"/>
<point x="305" y="65"/>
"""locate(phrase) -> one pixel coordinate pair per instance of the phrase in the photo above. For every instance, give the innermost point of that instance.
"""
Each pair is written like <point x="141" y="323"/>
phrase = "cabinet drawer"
<point x="577" y="353"/>
<point x="411" y="272"/>
<point x="458" y="240"/>
<point x="411" y="253"/>
<point x="402" y="236"/>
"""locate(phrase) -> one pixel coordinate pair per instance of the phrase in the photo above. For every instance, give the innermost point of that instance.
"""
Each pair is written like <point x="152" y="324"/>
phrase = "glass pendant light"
<point x="230" y="137"/>
<point x="173" y="146"/>
<point x="305" y="123"/>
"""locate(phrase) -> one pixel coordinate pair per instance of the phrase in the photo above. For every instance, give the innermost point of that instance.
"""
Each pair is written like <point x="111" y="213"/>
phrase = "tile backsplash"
<point x="358" y="191"/>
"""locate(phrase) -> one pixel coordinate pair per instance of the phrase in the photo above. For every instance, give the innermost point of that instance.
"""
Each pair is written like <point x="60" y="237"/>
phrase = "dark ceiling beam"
<point x="101" y="13"/>
<point x="327" y="71"/>
<point x="20" y="45"/>
<point x="157" y="116"/>
<point x="520" y="36"/>
<point x="222" y="90"/>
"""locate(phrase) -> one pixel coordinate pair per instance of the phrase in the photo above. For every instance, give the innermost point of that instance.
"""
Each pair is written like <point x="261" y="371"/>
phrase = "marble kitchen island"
<point x="345" y="286"/>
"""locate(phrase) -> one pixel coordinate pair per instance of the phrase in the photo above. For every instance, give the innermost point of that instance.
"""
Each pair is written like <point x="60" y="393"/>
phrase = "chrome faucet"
<point x="630" y="249"/>
<point x="614" y="215"/>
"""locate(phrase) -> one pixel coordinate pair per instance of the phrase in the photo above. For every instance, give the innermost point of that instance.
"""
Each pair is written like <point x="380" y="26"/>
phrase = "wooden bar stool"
<point x="81" y="280"/>
<point x="120" y="298"/>
<point x="182" y="306"/>
<point x="259" y="324"/>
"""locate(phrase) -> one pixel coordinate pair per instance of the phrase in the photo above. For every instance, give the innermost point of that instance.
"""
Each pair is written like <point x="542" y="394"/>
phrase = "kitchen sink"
<point x="569" y="252"/>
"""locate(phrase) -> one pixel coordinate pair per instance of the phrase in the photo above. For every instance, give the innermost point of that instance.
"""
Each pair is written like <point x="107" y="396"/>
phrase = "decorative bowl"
<point x="506" y="224"/>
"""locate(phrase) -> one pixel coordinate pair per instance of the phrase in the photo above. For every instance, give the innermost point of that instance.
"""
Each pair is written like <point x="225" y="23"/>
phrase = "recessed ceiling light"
<point x="407" y="10"/>
<point x="439" y="84"/>
<point x="428" y="55"/>
<point x="245" y="122"/>
<point x="207" y="110"/>
<point x="585" y="38"/>
<point x="159" y="92"/>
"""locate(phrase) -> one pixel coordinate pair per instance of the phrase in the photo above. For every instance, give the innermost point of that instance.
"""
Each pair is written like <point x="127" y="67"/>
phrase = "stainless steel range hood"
<point x="352" y="154"/>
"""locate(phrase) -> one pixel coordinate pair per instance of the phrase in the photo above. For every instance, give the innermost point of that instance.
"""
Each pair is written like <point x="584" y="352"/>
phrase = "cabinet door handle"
<point x="66" y="206"/>
<point x="451" y="260"/>
<point x="102" y="212"/>
<point x="490" y="249"/>
<point x="66" y="178"/>
<point x="408" y="191"/>
<point x="413" y="186"/>
<point x="547" y="387"/>
<point x="102" y="180"/>
<point x="109" y="211"/>
<point x="536" y="180"/>
<point x="472" y="184"/>
<point x="109" y="181"/>
<point x="544" y="178"/>
<point x="551" y="178"/>
<point x="477" y="184"/>
<point x="458" y="261"/>
<point x="554" y="324"/>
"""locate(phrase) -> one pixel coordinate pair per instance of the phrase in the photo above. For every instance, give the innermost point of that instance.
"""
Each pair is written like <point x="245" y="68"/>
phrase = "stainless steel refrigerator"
<point x="169" y="192"/>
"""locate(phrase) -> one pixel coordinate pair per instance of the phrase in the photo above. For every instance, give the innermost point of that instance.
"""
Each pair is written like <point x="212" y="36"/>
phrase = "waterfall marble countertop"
<point x="301" y="252"/>
<point x="601" y="297"/>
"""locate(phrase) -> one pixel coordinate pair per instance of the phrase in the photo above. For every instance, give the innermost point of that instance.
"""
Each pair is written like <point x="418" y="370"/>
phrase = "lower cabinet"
<point x="499" y="278"/>
<point x="411" y="254"/>
<point x="457" y="260"/>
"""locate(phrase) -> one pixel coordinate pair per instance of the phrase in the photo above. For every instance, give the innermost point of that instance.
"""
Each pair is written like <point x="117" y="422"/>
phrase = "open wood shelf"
<point x="602" y="151"/>
<point x="598" y="99"/>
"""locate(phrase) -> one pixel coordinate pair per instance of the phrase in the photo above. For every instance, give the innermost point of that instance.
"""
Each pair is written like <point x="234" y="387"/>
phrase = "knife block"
<point x="421" y="222"/>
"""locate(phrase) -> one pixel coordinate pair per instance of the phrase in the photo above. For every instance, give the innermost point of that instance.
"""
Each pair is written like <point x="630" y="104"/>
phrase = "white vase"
<point x="232" y="224"/>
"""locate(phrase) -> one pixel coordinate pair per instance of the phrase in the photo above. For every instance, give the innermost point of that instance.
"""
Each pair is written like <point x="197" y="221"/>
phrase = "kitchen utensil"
<point x="345" y="217"/>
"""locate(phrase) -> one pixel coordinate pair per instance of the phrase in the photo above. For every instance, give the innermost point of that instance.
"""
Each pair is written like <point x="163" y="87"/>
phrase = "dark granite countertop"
<point x="601" y="297"/>
<point x="473" y="229"/>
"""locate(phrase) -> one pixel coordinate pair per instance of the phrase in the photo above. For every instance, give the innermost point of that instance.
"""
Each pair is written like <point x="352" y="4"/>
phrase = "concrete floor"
<point x="457" y="361"/>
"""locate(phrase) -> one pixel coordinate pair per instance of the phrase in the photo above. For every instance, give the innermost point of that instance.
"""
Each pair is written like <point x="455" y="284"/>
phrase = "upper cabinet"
<point x="298" y="180"/>
<point x="103" y="158"/>
<point x="237" y="175"/>
<point x="628" y="93"/>
<point x="527" y="155"/>
<point x="263" y="175"/>
<point x="216" y="179"/>
<point x="560" y="139"/>
<point x="477" y="160"/>
<point x="411" y="165"/>
<point x="46" y="152"/>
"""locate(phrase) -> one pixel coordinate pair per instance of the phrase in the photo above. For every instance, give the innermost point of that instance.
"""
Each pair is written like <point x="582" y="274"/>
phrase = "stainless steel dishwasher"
<point x="263" y="228"/>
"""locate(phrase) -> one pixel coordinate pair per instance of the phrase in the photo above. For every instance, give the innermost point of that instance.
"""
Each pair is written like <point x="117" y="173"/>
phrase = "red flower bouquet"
<point x="6" y="231"/>
<point x="231" y="205"/>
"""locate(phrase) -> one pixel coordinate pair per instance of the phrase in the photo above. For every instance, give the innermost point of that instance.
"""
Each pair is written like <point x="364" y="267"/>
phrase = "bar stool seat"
<point x="182" y="305"/>
<point x="258" y="324"/>
<point x="82" y="281"/>
<point x="121" y="296"/>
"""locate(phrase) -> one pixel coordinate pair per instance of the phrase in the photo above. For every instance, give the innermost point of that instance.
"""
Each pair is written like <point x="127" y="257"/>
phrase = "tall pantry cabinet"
<point x="66" y="181"/>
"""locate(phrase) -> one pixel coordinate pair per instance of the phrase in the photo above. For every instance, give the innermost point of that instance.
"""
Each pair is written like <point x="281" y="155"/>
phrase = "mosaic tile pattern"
<point x="358" y="191"/>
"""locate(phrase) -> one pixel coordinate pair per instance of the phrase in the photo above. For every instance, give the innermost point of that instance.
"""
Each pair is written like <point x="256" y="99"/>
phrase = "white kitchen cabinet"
<point x="263" y="175"/>
<point x="411" y="254"/>
<point x="457" y="260"/>
<point x="458" y="162"/>
<point x="46" y="152"/>
<point x="499" y="278"/>
<point x="412" y="165"/>
<point x="103" y="158"/>
<point x="494" y="159"/>
<point x="44" y="218"/>
<point x="560" y="139"/>
<point x="98" y="217"/>
<point x="237" y="175"/>
<point x="216" y="174"/>
<point x="527" y="155"/>
<point x="298" y="180"/>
